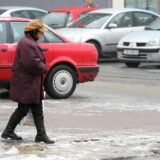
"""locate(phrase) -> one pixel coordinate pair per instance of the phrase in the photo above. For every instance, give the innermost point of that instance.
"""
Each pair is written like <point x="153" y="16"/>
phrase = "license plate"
<point x="131" y="52"/>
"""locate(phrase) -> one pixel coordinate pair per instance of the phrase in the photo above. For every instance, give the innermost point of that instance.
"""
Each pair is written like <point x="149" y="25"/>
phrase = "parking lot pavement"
<point x="114" y="118"/>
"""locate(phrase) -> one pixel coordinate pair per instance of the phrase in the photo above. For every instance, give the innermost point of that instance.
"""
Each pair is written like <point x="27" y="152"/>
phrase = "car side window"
<point x="143" y="19"/>
<point x="51" y="38"/>
<point x="122" y="20"/>
<point x="3" y="32"/>
<point x="23" y="14"/>
<point x="18" y="30"/>
<point x="37" y="14"/>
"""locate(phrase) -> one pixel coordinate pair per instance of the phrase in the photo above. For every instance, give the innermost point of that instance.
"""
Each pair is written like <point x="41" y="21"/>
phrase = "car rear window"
<point x="2" y="11"/>
<point x="37" y="14"/>
<point x="21" y="13"/>
<point x="56" y="19"/>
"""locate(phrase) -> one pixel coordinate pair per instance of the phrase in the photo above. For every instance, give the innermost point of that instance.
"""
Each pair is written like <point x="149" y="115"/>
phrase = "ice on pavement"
<point x="112" y="102"/>
<point x="99" y="102"/>
<point x="86" y="146"/>
<point x="109" y="146"/>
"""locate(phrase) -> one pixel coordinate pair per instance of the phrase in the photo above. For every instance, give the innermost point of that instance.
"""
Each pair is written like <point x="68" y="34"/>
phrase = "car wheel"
<point x="132" y="64"/>
<point x="97" y="47"/>
<point x="61" y="82"/>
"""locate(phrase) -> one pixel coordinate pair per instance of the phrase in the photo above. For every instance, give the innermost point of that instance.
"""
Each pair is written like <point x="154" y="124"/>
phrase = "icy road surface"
<point x="117" y="117"/>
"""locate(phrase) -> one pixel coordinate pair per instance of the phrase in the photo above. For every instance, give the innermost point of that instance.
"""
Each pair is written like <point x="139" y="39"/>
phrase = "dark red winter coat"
<point x="28" y="69"/>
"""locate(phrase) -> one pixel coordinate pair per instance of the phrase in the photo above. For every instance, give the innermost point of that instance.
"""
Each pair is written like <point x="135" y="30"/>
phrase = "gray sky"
<point x="49" y="4"/>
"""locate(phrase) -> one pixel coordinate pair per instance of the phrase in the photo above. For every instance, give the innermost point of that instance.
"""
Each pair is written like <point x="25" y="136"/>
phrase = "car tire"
<point x="132" y="64"/>
<point x="61" y="82"/>
<point x="99" y="50"/>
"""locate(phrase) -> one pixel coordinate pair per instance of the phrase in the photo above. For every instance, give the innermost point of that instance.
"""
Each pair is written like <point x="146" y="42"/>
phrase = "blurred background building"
<point x="153" y="5"/>
<point x="50" y="4"/>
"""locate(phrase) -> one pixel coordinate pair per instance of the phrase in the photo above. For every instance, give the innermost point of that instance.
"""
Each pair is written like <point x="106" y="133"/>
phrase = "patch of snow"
<point x="83" y="147"/>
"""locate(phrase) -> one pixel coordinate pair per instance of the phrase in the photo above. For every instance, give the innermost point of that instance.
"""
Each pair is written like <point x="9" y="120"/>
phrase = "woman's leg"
<point x="37" y="111"/>
<point x="15" y="118"/>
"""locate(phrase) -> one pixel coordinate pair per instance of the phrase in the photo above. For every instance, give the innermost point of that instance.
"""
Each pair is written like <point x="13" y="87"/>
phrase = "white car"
<point x="24" y="12"/>
<point x="105" y="27"/>
<point x="142" y="46"/>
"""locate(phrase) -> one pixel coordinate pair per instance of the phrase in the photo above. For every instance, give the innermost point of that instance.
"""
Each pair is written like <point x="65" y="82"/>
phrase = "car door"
<point x="5" y="53"/>
<point x="17" y="28"/>
<point x="49" y="42"/>
<point x="119" y="26"/>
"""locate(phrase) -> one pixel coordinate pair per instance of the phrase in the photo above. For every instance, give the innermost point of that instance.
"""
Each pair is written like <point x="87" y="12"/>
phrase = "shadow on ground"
<point x="4" y="94"/>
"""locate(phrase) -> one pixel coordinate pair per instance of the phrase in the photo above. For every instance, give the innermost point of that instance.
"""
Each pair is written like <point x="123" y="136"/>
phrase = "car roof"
<point x="19" y="8"/>
<point x="14" y="19"/>
<point x="73" y="9"/>
<point x="119" y="10"/>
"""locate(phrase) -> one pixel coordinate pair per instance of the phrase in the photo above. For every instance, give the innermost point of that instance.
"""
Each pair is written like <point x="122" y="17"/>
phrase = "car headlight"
<point x="154" y="42"/>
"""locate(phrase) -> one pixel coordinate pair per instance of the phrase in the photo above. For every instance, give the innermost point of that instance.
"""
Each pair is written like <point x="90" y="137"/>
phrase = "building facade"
<point x="153" y="5"/>
<point x="50" y="4"/>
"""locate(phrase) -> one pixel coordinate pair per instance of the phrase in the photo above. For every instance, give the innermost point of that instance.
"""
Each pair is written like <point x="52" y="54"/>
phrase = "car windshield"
<point x="155" y="25"/>
<point x="92" y="21"/>
<point x="56" y="19"/>
<point x="2" y="11"/>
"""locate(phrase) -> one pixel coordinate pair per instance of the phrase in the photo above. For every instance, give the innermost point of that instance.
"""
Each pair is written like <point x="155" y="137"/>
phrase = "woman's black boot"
<point x="38" y="117"/>
<point x="42" y="137"/>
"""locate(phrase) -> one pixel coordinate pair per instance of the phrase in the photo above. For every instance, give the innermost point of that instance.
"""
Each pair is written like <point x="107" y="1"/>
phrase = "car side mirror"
<point x="112" y="25"/>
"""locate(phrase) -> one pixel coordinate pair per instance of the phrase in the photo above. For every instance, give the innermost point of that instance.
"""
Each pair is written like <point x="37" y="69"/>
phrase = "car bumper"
<point x="144" y="55"/>
<point x="87" y="73"/>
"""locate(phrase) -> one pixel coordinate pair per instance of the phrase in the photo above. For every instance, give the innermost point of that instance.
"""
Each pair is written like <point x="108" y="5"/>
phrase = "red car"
<point x="68" y="63"/>
<point x="62" y="17"/>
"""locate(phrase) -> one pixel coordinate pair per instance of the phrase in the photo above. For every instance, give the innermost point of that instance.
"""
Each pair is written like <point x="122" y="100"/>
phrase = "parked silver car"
<point x="24" y="12"/>
<point x="142" y="46"/>
<point x="105" y="27"/>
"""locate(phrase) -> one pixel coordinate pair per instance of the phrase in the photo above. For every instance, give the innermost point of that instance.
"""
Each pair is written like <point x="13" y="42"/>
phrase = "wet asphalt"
<point x="116" y="117"/>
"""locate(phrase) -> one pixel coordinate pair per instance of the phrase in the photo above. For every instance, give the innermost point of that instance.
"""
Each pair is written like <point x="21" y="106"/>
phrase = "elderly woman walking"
<point x="27" y="82"/>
